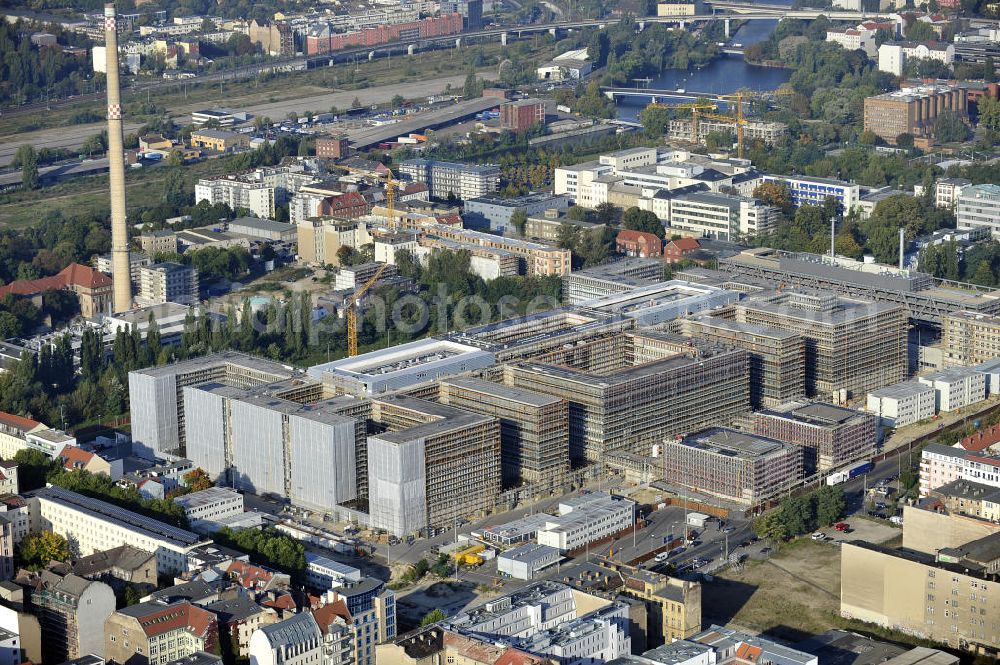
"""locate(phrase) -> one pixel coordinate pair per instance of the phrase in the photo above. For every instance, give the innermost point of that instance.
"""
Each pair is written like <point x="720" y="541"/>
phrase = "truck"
<point x="471" y="556"/>
<point x="850" y="471"/>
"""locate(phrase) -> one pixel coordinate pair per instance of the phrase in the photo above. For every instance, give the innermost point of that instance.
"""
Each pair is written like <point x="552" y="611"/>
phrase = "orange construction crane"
<point x="352" y="314"/>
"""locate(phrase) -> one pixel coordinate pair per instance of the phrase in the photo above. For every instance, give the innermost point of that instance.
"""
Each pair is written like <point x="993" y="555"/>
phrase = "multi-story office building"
<point x="892" y="56"/>
<point x="294" y="641"/>
<point x="970" y="338"/>
<point x="902" y="404"/>
<point x="158" y="632"/>
<point x="599" y="636"/>
<point x="830" y="435"/>
<point x="319" y="239"/>
<point x="207" y="508"/>
<point x="471" y="11"/>
<point x="732" y="465"/>
<point x="979" y="207"/>
<point x="956" y="387"/>
<point x="948" y="190"/>
<point x="525" y="562"/>
<point x="681" y="129"/>
<point x="777" y="356"/>
<point x="264" y="440"/>
<point x="952" y="598"/>
<point x="323" y="573"/>
<point x="912" y="110"/>
<point x="435" y="464"/>
<point x="851" y="344"/>
<point x="522" y="114"/>
<point x="496" y="212"/>
<point x="95" y="526"/>
<point x="608" y="279"/>
<point x="721" y="216"/>
<point x="463" y="181"/>
<point x="371" y="611"/>
<point x="537" y="258"/>
<point x="534" y="429"/>
<point x="167" y="282"/>
<point x="71" y="611"/>
<point x="14" y="432"/>
<point x="586" y="519"/>
<point x="237" y="192"/>
<point x="629" y="391"/>
<point x="157" y="399"/>
<point x="805" y="190"/>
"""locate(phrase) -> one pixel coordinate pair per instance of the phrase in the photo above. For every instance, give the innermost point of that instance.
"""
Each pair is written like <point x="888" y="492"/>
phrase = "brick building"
<point x="638" y="243"/>
<point x="92" y="288"/>
<point x="331" y="147"/>
<point x="522" y="114"/>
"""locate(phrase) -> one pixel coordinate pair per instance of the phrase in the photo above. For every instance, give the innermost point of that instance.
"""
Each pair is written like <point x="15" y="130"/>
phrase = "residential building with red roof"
<point x="349" y="205"/>
<point x="256" y="578"/>
<point x="158" y="632"/>
<point x="638" y="243"/>
<point x="14" y="430"/>
<point x="74" y="458"/>
<point x="676" y="250"/>
<point x="92" y="288"/>
<point x="8" y="478"/>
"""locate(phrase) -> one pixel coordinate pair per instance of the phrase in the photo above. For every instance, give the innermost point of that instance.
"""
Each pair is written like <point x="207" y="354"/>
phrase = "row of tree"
<point x="797" y="515"/>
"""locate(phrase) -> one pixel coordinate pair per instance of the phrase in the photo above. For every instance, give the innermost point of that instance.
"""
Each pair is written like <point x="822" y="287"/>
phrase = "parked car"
<point x="842" y="526"/>
<point x="819" y="535"/>
<point x="728" y="529"/>
<point x="661" y="557"/>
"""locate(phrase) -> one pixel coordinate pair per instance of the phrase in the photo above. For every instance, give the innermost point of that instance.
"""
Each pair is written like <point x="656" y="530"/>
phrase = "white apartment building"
<point x="585" y="519"/>
<point x="979" y="207"/>
<point x="948" y="190"/>
<point x="940" y="465"/>
<point x="465" y="181"/>
<point x="235" y="192"/>
<point x="903" y="403"/>
<point x="167" y="282"/>
<point x="721" y="216"/>
<point x="956" y="387"/>
<point x="577" y="181"/>
<point x="892" y="56"/>
<point x="209" y="507"/>
<point x="323" y="573"/>
<point x="854" y="39"/>
<point x="96" y="526"/>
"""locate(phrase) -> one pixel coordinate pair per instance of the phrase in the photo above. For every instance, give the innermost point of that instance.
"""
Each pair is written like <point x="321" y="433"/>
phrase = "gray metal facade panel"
<point x="323" y="468"/>
<point x="258" y="459"/>
<point x="153" y="405"/>
<point x="206" y="434"/>
<point x="397" y="486"/>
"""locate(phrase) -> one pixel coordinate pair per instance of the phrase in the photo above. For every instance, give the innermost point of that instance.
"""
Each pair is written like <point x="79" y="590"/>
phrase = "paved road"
<point x="71" y="137"/>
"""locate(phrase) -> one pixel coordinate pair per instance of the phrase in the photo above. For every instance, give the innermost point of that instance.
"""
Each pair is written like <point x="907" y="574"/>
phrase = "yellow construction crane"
<point x="352" y="314"/>
<point x="695" y="107"/>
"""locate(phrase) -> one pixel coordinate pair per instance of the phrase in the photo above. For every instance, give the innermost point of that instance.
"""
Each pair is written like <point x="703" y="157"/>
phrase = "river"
<point x="725" y="74"/>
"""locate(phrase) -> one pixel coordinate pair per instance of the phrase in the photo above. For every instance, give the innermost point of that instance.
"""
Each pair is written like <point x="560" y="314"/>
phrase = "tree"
<point x="635" y="219"/>
<point x="197" y="480"/>
<point x="905" y="141"/>
<point x="606" y="213"/>
<point x="473" y="87"/>
<point x="519" y="219"/>
<point x="773" y="194"/>
<point x="28" y="159"/>
<point x="949" y="127"/>
<point x="433" y="616"/>
<point x="396" y="101"/>
<point x="830" y="505"/>
<point x="719" y="140"/>
<point x="989" y="113"/>
<point x="39" y="548"/>
<point x="655" y="120"/>
<point x="32" y="468"/>
<point x="771" y="526"/>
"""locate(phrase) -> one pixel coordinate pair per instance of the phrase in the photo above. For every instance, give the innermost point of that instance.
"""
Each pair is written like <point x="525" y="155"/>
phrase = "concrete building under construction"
<point x="629" y="391"/>
<point x="534" y="429"/>
<point x="777" y="356"/>
<point x="830" y="435"/>
<point x="434" y="464"/>
<point x="970" y="338"/>
<point x="851" y="344"/>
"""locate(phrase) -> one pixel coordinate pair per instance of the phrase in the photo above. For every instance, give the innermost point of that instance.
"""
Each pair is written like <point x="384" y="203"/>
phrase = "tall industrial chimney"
<point x="902" y="245"/>
<point x="120" y="270"/>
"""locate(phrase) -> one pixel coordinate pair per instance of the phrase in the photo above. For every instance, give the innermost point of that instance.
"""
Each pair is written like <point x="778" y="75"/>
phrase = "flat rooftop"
<point x="509" y="393"/>
<point x="111" y="513"/>
<point x="401" y="358"/>
<point x="901" y="390"/>
<point x="816" y="413"/>
<point x="369" y="136"/>
<point x="207" y="497"/>
<point x="732" y="443"/>
<point x="440" y="419"/>
<point x="221" y="359"/>
<point x="530" y="552"/>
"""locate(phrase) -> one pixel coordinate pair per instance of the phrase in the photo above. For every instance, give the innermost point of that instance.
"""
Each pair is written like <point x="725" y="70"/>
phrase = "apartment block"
<point x="732" y="465"/>
<point x="536" y="258"/>
<point x="979" y="208"/>
<point x="629" y="391"/>
<point x="522" y="114"/>
<point x="805" y="190"/>
<point x="965" y="497"/>
<point x="95" y="526"/>
<point x="941" y="465"/>
<point x="952" y="598"/>
<point x="682" y="129"/>
<point x="71" y="611"/>
<point x="167" y="282"/>
<point x="892" y="55"/>
<point x="851" y="344"/>
<point x="948" y="190"/>
<point x="156" y="242"/>
<point x="854" y="39"/>
<point x="157" y="398"/>
<point x="371" y="613"/>
<point x="14" y="432"/>
<point x="496" y="212"/>
<point x="830" y="435"/>
<point x="319" y="239"/>
<point x="435" y="464"/>
<point x="294" y="641"/>
<point x="777" y="356"/>
<point x="721" y="216"/>
<point x="323" y="573"/>
<point x="534" y="429"/>
<point x="912" y="110"/>
<point x="902" y="404"/>
<point x="158" y="632"/>
<point x="237" y="192"/>
<point x="331" y="147"/>
<point x="463" y="181"/>
<point x="956" y="387"/>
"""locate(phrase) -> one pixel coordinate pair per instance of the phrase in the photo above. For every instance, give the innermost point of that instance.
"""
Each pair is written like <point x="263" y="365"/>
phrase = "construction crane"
<point x="695" y="107"/>
<point x="352" y="313"/>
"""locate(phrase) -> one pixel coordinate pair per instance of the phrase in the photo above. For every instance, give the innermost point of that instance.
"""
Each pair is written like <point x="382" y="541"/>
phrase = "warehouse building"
<point x="534" y="429"/>
<point x="264" y="229"/>
<point x="851" y="344"/>
<point x="902" y="404"/>
<point x="734" y="466"/>
<point x="970" y="338"/>
<point x="628" y="391"/>
<point x="401" y="366"/>
<point x="830" y="435"/>
<point x="158" y="418"/>
<point x="526" y="561"/>
<point x="777" y="356"/>
<point x="434" y="465"/>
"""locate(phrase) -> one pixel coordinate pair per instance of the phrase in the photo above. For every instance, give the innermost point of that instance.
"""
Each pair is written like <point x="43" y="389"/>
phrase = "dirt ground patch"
<point x="791" y="595"/>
